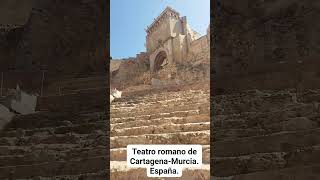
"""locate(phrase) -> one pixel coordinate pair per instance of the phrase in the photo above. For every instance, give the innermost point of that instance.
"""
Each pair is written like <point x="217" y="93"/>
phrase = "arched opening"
<point x="160" y="61"/>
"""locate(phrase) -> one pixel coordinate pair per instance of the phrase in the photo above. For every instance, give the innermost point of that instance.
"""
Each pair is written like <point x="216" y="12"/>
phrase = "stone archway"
<point x="160" y="61"/>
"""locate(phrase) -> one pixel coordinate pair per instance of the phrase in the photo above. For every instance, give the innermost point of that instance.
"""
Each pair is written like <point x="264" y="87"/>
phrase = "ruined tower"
<point x="168" y="39"/>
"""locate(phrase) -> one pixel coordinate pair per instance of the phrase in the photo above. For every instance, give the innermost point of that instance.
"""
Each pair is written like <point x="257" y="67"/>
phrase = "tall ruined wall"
<point x="264" y="37"/>
<point x="199" y="50"/>
<point x="161" y="33"/>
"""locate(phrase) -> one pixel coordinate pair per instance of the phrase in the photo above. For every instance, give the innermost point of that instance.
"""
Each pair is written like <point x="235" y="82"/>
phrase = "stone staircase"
<point x="47" y="144"/>
<point x="266" y="135"/>
<point x="66" y="139"/>
<point x="178" y="117"/>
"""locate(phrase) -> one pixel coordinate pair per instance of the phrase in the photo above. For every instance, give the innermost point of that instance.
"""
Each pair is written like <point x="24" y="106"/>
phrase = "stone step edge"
<point x="284" y="172"/>
<point x="272" y="134"/>
<point x="207" y="119"/>
<point x="203" y="131"/>
<point x="181" y="125"/>
<point x="35" y="164"/>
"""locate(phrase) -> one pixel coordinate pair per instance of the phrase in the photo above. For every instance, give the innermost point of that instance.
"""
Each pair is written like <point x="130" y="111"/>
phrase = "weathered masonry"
<point x="169" y="39"/>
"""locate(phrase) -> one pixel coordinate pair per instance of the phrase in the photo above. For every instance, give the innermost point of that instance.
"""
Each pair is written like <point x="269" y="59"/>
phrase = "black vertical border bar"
<point x="107" y="102"/>
<point x="214" y="15"/>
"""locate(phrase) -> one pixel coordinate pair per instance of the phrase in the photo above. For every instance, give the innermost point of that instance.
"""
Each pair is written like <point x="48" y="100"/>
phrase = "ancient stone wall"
<point x="255" y="36"/>
<point x="199" y="50"/>
<point x="179" y="54"/>
<point x="129" y="71"/>
<point x="162" y="33"/>
<point x="165" y="26"/>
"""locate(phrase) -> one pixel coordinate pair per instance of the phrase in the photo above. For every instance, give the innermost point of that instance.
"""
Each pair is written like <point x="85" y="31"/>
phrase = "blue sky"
<point x="129" y="18"/>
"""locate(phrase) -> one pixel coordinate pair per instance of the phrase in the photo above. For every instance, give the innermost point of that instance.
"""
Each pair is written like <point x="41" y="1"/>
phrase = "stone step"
<point x="229" y="166"/>
<point x="160" y="129"/>
<point x="160" y="121"/>
<point x="120" y="154"/>
<point x="278" y="142"/>
<point x="116" y="106"/>
<point x="86" y="176"/>
<point x="71" y="151"/>
<point x="21" y="150"/>
<point x="311" y="172"/>
<point x="291" y="124"/>
<point x="53" y="119"/>
<point x="267" y="103"/>
<point x="162" y="97"/>
<point x="56" y="168"/>
<point x="128" y="97"/>
<point x="262" y="119"/>
<point x="255" y="94"/>
<point x="87" y="140"/>
<point x="85" y="128"/>
<point x="197" y="137"/>
<point x="37" y="156"/>
<point x="158" y="110"/>
<point x="120" y="171"/>
<point x="158" y="94"/>
<point x="120" y="118"/>
<point x="119" y="104"/>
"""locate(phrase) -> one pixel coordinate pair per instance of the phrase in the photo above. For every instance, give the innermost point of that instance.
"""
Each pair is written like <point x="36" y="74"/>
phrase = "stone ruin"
<point x="165" y="96"/>
<point x="174" y="52"/>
